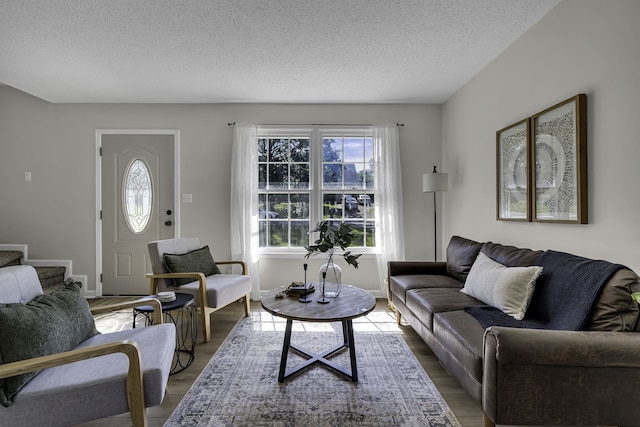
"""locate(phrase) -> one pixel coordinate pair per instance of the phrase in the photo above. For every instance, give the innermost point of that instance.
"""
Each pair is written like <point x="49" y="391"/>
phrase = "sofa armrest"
<point x="135" y="388"/>
<point x="202" y="281"/>
<point x="242" y="264"/>
<point x="543" y="377"/>
<point x="399" y="268"/>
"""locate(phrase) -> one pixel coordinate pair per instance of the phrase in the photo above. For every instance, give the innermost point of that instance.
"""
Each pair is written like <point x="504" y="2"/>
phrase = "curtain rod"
<point x="316" y="124"/>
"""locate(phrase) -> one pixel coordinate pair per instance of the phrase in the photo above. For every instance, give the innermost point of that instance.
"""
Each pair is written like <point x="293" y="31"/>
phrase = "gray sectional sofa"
<point x="572" y="359"/>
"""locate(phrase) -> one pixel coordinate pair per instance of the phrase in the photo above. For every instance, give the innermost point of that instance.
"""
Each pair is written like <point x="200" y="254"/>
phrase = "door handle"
<point x="168" y="223"/>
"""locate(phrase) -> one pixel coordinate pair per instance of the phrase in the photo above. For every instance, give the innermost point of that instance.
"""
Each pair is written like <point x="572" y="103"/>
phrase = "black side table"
<point x="184" y="320"/>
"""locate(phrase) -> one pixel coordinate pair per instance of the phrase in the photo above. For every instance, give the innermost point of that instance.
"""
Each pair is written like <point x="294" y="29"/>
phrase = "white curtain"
<point x="244" y="202"/>
<point x="388" y="197"/>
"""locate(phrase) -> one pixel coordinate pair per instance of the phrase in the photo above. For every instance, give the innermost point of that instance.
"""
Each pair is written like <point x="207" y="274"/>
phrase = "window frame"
<point x="315" y="134"/>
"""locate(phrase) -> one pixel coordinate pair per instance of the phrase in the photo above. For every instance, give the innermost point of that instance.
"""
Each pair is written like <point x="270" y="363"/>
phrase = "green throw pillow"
<point x="48" y="324"/>
<point x="198" y="261"/>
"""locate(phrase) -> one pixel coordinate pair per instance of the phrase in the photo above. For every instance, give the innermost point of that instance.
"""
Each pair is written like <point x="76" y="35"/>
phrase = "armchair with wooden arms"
<point x="104" y="375"/>
<point x="210" y="291"/>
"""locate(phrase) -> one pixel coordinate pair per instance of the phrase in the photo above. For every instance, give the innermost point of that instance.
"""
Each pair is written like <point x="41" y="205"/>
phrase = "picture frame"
<point x="559" y="170"/>
<point x="513" y="158"/>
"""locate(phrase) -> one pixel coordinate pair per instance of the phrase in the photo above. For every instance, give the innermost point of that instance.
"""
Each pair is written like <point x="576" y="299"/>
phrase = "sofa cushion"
<point x="508" y="289"/>
<point x="461" y="254"/>
<point x="510" y="256"/>
<point x="399" y="285"/>
<point x="615" y="310"/>
<point x="426" y="302"/>
<point x="197" y="261"/>
<point x="399" y="268"/>
<point x="463" y="336"/>
<point x="47" y="324"/>
<point x="221" y="288"/>
<point x="565" y="294"/>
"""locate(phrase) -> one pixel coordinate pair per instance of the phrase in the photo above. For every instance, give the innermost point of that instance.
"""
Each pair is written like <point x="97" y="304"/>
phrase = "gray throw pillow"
<point x="48" y="324"/>
<point x="197" y="261"/>
<point x="508" y="289"/>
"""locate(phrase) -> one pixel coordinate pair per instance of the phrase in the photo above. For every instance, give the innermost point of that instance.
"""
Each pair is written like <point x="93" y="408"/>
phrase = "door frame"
<point x="176" y="186"/>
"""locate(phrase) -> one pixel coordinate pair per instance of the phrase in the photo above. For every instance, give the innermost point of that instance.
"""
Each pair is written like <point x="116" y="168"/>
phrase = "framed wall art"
<point x="513" y="177"/>
<point x="559" y="139"/>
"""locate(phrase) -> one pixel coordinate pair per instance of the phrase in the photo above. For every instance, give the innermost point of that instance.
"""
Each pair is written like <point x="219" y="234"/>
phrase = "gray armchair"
<point x="104" y="375"/>
<point x="211" y="291"/>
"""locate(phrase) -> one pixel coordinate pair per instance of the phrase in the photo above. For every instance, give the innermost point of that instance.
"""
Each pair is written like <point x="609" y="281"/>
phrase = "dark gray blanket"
<point x="564" y="295"/>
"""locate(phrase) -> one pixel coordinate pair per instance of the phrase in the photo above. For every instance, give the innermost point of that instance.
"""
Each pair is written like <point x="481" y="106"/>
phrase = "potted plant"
<point x="333" y="237"/>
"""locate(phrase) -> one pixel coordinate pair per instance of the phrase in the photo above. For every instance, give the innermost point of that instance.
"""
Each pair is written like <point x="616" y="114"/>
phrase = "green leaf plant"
<point x="332" y="237"/>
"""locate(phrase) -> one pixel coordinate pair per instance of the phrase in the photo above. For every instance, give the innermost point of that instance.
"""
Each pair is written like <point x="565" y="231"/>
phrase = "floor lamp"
<point x="432" y="183"/>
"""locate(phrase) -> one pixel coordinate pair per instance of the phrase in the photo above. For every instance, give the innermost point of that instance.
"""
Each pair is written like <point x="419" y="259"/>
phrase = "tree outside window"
<point x="289" y="199"/>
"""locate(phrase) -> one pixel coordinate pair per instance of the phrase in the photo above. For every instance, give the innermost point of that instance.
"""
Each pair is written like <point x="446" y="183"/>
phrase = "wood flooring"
<point x="466" y="410"/>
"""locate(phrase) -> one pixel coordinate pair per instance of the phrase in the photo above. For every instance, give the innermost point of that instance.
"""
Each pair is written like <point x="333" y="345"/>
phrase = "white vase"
<point x="332" y="280"/>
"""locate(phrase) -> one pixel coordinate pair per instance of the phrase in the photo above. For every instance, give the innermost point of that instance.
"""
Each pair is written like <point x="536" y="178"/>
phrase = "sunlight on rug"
<point x="239" y="386"/>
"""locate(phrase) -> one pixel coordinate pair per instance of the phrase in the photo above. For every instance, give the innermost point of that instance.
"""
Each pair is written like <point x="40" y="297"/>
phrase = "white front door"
<point x="137" y="207"/>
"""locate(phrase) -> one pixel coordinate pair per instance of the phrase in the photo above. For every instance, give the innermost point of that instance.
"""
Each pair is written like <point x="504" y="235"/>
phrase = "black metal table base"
<point x="322" y="358"/>
<point x="186" y="329"/>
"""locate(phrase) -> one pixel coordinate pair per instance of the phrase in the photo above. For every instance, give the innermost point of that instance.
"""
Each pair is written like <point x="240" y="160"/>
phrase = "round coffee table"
<point x="351" y="303"/>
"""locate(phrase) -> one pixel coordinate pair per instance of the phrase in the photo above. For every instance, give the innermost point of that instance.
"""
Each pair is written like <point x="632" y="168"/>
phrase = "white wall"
<point x="581" y="46"/>
<point x="55" y="213"/>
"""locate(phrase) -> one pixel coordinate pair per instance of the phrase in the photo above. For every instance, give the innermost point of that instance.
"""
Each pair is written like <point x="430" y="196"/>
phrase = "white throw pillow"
<point x="508" y="289"/>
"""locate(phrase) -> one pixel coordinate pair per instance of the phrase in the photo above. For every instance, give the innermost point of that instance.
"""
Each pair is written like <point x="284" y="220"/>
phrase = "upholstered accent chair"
<point x="57" y="370"/>
<point x="184" y="265"/>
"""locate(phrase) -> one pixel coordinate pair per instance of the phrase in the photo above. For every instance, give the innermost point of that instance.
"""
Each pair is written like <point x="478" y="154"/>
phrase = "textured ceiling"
<point x="317" y="51"/>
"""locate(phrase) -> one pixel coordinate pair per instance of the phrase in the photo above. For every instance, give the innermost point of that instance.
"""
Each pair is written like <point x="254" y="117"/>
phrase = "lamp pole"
<point x="435" y="228"/>
<point x="432" y="183"/>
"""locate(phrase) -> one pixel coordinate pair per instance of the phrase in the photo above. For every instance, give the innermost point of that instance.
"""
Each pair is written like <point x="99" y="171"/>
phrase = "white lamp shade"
<point x="432" y="182"/>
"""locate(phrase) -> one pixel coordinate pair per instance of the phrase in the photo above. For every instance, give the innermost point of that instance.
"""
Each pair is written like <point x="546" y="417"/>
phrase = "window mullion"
<point x="316" y="186"/>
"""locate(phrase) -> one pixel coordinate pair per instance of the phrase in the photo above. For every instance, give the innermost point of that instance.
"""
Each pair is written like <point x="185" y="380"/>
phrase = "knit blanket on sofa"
<point x="564" y="296"/>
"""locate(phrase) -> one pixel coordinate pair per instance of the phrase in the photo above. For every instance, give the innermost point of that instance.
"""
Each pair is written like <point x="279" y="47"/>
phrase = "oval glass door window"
<point x="138" y="195"/>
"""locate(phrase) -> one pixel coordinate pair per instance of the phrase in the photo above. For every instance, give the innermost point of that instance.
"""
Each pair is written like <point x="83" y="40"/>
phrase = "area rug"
<point x="239" y="386"/>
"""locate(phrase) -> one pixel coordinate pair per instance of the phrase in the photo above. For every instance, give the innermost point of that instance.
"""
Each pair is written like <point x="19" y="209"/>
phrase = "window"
<point x="284" y="190"/>
<point x="138" y="195"/>
<point x="313" y="175"/>
<point x="347" y="184"/>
